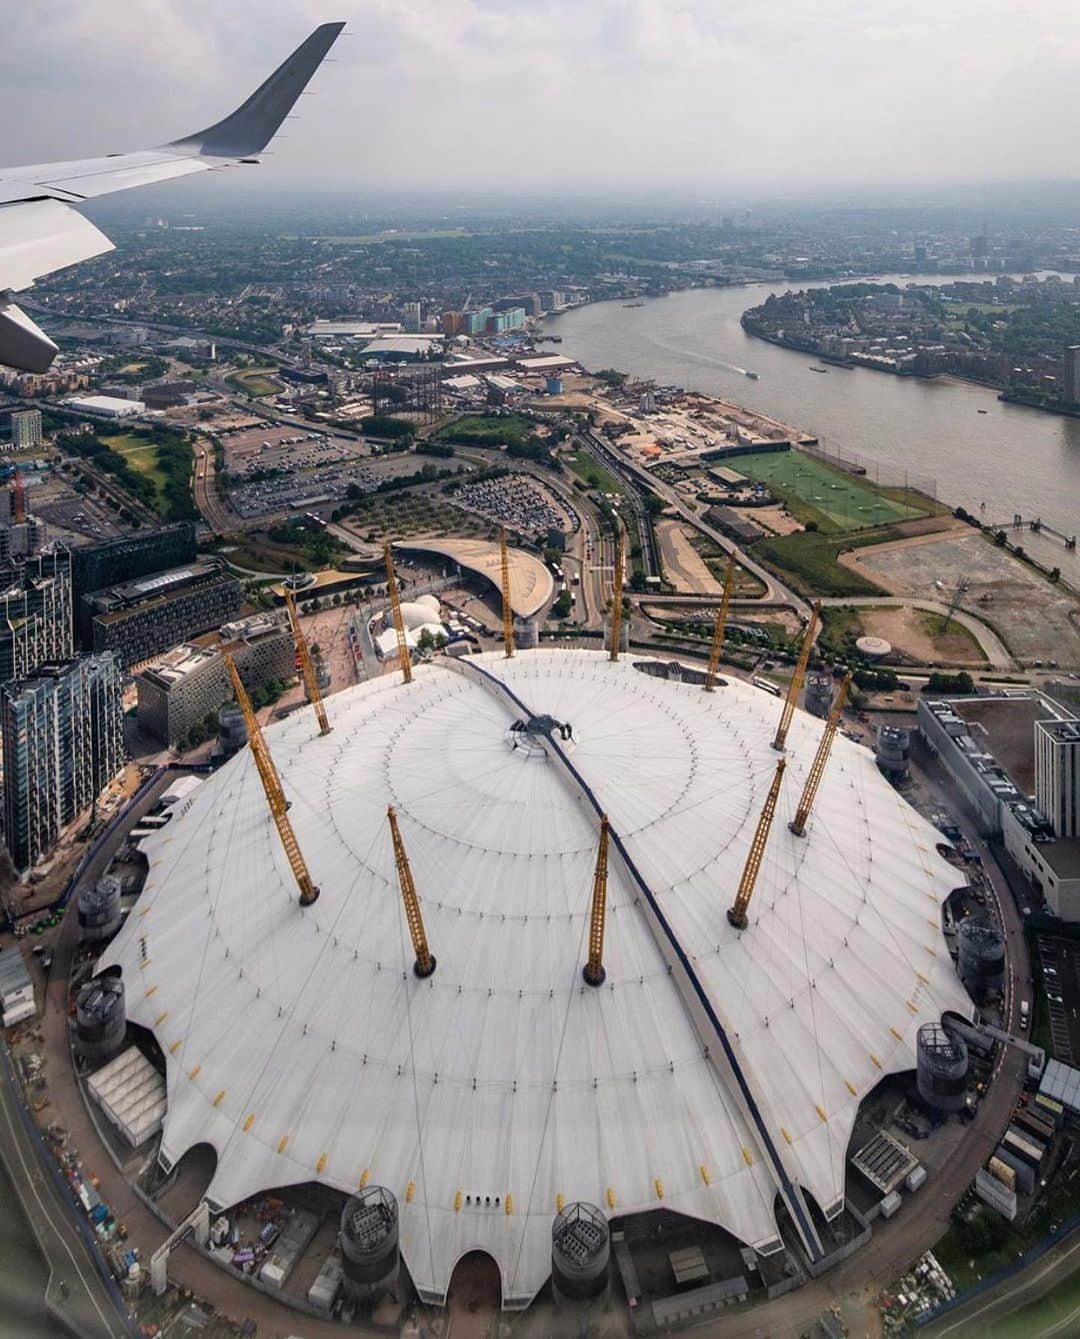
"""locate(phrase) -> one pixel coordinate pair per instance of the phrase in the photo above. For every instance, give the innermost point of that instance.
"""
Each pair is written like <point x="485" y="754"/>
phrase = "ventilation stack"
<point x="99" y="910"/>
<point x="101" y="1017"/>
<point x="893" y="751"/>
<point x="819" y="694"/>
<point x="981" y="959"/>
<point x="369" y="1244"/>
<point x="232" y="732"/>
<point x="941" y="1068"/>
<point x="526" y="633"/>
<point x="580" y="1253"/>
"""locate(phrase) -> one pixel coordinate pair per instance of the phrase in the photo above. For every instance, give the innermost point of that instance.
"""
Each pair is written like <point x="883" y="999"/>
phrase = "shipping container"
<point x="1023" y="1146"/>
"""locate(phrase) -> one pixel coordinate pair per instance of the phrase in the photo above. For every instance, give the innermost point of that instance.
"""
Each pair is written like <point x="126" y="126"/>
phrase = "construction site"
<point x="434" y="996"/>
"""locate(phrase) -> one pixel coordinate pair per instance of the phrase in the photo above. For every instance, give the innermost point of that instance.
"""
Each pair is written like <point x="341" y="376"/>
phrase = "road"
<point x="217" y="514"/>
<point x="88" y="1309"/>
<point x="1057" y="1266"/>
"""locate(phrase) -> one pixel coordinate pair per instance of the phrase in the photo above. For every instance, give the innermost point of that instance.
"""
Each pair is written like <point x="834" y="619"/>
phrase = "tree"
<point x="562" y="606"/>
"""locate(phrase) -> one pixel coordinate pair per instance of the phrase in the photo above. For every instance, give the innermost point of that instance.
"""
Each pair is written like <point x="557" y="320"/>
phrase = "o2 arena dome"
<point x="715" y="1072"/>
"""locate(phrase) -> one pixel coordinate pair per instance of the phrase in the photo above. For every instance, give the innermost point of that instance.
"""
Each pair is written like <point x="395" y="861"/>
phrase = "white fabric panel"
<point x="503" y="1073"/>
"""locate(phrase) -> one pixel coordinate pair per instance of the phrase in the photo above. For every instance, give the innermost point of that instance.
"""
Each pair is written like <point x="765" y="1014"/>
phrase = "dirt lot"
<point x="777" y="520"/>
<point x="685" y="568"/>
<point x="909" y="631"/>
<point x="1038" y="621"/>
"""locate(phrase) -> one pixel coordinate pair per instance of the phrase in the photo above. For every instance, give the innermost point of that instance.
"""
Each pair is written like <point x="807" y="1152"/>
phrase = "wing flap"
<point x="40" y="236"/>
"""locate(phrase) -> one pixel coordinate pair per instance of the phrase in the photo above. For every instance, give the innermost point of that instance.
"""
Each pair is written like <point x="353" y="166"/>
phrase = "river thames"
<point x="1009" y="458"/>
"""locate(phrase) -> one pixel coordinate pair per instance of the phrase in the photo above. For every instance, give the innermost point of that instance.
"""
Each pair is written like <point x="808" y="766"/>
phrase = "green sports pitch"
<point x="838" y="501"/>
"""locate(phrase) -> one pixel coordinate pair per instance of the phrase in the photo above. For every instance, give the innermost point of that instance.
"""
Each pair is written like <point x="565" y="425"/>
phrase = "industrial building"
<point x="191" y="681"/>
<point x="63" y="742"/>
<point x="35" y="612"/>
<point x="140" y="618"/>
<point x="95" y="566"/>
<point x="474" y="1015"/>
<point x="105" y="406"/>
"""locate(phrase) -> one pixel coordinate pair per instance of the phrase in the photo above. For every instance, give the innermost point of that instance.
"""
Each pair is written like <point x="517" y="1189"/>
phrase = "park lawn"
<point x="592" y="473"/>
<point x="954" y="634"/>
<point x="142" y="457"/>
<point x="490" y="430"/>
<point x="808" y="561"/>
<point x="815" y="491"/>
<point x="1060" y="1307"/>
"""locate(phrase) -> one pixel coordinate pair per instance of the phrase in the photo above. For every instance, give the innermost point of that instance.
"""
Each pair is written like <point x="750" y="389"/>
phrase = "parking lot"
<point x="1059" y="960"/>
<point x="50" y="496"/>
<point x="271" y="447"/>
<point x="305" y="487"/>
<point x="516" y="501"/>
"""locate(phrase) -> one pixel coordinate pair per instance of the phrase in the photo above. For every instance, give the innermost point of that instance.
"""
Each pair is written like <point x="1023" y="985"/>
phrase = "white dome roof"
<point x="711" y="1067"/>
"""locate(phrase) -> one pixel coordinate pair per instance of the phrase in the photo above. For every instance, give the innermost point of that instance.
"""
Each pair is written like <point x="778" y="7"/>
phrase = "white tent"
<point x="300" y="1044"/>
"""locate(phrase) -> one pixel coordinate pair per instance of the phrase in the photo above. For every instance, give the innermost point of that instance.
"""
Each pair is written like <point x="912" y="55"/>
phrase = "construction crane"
<point x="616" y="597"/>
<point x="425" y="961"/>
<point x="594" y="969"/>
<point x="271" y="783"/>
<point x="817" y="767"/>
<point x="507" y="608"/>
<point x="18" y="499"/>
<point x="307" y="668"/>
<point x="795" y="687"/>
<point x="404" y="655"/>
<point x="719" y="626"/>
<point x="737" y="911"/>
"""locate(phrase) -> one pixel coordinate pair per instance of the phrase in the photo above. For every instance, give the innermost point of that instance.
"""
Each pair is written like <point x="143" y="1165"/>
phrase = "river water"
<point x="1011" y="459"/>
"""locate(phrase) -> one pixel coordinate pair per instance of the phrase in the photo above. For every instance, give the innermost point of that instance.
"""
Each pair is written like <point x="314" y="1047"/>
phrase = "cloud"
<point x="600" y="94"/>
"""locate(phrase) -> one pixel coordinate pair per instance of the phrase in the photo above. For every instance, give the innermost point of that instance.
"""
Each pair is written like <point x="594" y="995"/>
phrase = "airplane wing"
<point x="40" y="231"/>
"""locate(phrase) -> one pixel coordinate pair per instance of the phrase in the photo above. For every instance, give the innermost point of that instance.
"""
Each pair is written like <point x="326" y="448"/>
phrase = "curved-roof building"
<point x="715" y="1071"/>
<point x="531" y="584"/>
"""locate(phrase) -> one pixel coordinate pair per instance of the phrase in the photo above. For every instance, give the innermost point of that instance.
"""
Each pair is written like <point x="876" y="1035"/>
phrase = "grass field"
<point x="592" y="473"/>
<point x="142" y="456"/>
<point x="255" y="381"/>
<point x="838" y="502"/>
<point x="808" y="561"/>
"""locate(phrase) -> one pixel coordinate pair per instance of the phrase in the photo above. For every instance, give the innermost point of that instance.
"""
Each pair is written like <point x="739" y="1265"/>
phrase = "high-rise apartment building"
<point x="35" y="612"/>
<point x="1057" y="772"/>
<point x="63" y="739"/>
<point x="1071" y="380"/>
<point x="26" y="429"/>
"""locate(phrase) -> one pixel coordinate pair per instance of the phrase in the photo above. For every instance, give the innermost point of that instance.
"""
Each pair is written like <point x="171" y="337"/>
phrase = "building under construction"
<point x="408" y="392"/>
<point x="530" y="942"/>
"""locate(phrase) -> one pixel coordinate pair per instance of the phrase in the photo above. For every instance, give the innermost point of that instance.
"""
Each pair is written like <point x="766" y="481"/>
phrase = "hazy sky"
<point x="550" y="95"/>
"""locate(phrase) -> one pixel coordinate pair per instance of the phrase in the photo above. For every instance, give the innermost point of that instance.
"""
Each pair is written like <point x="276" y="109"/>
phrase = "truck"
<point x="1025" y="1010"/>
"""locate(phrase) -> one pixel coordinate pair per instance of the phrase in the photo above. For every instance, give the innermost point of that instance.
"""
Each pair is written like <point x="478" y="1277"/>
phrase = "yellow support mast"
<point x="307" y="667"/>
<point x="404" y="655"/>
<point x="717" y="647"/>
<point x="594" y="969"/>
<point x="795" y="687"/>
<point x="507" y="607"/>
<point x="737" y="911"/>
<point x="271" y="783"/>
<point x="616" y="597"/>
<point x="425" y="961"/>
<point x="817" y="767"/>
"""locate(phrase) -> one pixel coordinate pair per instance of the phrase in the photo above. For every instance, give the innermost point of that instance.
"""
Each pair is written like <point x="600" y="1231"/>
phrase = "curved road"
<point x="88" y="1309"/>
<point x="993" y="648"/>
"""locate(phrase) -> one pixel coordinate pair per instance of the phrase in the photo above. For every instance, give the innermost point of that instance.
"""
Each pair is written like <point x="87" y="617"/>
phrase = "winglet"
<point x="253" y="125"/>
